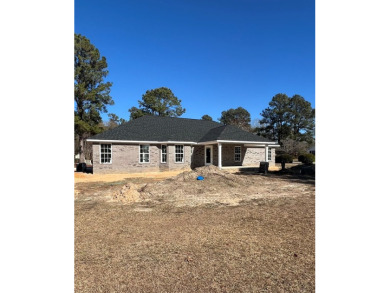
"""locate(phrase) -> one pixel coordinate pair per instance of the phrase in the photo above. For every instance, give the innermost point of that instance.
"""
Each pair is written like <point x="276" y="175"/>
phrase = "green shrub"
<point x="285" y="158"/>
<point x="306" y="159"/>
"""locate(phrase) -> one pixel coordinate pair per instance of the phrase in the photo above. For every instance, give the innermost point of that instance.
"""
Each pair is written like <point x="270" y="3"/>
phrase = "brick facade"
<point x="250" y="156"/>
<point x="172" y="165"/>
<point x="253" y="156"/>
<point x="125" y="158"/>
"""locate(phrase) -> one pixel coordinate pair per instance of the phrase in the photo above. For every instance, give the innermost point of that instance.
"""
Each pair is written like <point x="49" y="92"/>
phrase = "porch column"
<point x="220" y="155"/>
<point x="266" y="152"/>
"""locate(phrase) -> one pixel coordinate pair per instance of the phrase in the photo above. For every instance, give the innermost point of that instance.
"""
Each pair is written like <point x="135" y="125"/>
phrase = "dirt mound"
<point x="186" y="183"/>
<point x="128" y="193"/>
<point x="217" y="185"/>
<point x="201" y="171"/>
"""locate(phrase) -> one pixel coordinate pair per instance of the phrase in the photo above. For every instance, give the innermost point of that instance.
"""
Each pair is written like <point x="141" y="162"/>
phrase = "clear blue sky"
<point x="213" y="55"/>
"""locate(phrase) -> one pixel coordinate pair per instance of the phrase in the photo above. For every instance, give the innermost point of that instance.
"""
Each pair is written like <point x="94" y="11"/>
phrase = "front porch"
<point x="233" y="154"/>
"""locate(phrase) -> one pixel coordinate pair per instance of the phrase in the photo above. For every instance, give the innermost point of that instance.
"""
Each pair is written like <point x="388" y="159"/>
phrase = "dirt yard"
<point x="88" y="177"/>
<point x="173" y="233"/>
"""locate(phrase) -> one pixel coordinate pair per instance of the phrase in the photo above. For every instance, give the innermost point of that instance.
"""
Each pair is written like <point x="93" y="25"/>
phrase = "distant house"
<point x="153" y="143"/>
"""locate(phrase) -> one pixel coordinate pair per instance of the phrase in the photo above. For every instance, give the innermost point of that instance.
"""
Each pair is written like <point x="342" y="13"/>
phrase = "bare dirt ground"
<point x="227" y="233"/>
<point x="87" y="177"/>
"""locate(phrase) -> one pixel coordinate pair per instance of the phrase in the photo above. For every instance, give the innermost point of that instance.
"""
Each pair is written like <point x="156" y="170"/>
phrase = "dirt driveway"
<point x="262" y="243"/>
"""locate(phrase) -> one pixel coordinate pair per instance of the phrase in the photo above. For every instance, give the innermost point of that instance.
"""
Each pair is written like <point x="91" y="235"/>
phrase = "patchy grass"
<point x="261" y="245"/>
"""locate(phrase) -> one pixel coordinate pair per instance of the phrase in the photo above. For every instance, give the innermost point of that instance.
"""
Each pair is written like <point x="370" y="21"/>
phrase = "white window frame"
<point x="176" y="162"/>
<point x="269" y="154"/>
<point x="237" y="146"/>
<point x="139" y="153"/>
<point x="166" y="154"/>
<point x="100" y="153"/>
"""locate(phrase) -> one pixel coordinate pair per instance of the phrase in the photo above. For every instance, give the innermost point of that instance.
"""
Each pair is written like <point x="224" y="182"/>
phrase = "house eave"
<point x="246" y="143"/>
<point x="251" y="143"/>
<point x="263" y="145"/>
<point x="207" y="142"/>
<point x="141" y="141"/>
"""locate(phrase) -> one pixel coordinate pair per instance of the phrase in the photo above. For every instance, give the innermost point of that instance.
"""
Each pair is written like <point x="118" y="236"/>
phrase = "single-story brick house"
<point x="153" y="143"/>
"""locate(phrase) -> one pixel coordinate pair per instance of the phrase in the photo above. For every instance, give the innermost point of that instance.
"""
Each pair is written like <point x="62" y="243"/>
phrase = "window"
<point x="269" y="154"/>
<point x="179" y="153"/>
<point x="105" y="154"/>
<point x="144" y="153"/>
<point x="163" y="153"/>
<point x="237" y="154"/>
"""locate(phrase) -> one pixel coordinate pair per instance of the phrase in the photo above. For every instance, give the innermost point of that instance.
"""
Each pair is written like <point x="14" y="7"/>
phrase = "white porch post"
<point x="266" y="152"/>
<point x="220" y="155"/>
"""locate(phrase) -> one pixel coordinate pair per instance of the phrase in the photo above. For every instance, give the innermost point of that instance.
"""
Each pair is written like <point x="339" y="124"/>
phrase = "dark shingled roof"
<point x="155" y="128"/>
<point x="231" y="132"/>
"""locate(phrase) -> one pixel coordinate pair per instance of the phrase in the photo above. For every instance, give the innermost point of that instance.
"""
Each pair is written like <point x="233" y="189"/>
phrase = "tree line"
<point x="288" y="120"/>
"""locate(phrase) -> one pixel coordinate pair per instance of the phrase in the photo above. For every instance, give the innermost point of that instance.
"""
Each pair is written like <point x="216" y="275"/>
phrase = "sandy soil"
<point x="218" y="186"/>
<point x="228" y="233"/>
<point x="87" y="177"/>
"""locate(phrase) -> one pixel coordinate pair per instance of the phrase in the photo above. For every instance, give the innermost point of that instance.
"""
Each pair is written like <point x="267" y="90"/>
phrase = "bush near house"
<point x="306" y="159"/>
<point x="284" y="158"/>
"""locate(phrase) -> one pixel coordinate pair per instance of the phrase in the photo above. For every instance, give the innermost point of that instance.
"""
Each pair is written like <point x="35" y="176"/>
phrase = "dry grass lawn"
<point x="263" y="244"/>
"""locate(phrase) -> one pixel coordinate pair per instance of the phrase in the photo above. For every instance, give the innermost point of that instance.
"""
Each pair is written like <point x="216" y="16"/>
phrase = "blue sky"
<point x="213" y="55"/>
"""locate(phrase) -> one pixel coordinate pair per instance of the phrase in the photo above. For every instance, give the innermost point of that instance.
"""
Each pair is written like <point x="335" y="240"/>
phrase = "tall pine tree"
<point x="91" y="92"/>
<point x="158" y="102"/>
<point x="239" y="117"/>
<point x="288" y="118"/>
<point x="274" y="124"/>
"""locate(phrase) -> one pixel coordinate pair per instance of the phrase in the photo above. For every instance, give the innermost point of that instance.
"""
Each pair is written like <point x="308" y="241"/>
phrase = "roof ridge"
<point x="213" y="130"/>
<point x="164" y="117"/>
<point x="224" y="128"/>
<point x="223" y="125"/>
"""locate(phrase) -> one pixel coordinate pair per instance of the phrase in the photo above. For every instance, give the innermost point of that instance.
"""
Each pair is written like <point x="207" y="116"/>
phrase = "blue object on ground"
<point x="200" y="178"/>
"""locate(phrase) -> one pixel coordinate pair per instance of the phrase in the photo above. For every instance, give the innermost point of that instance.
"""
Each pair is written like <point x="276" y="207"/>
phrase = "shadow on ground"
<point x="298" y="174"/>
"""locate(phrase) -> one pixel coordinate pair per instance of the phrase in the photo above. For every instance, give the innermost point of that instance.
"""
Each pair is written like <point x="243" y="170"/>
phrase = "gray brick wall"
<point x="249" y="156"/>
<point x="253" y="156"/>
<point x="198" y="156"/>
<point x="228" y="155"/>
<point x="172" y="158"/>
<point x="125" y="158"/>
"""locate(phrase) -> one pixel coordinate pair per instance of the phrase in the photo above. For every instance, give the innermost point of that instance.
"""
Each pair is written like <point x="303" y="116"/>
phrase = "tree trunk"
<point x="81" y="151"/>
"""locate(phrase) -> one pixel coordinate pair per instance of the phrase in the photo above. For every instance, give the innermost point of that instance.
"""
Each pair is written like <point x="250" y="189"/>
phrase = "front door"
<point x="208" y="155"/>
